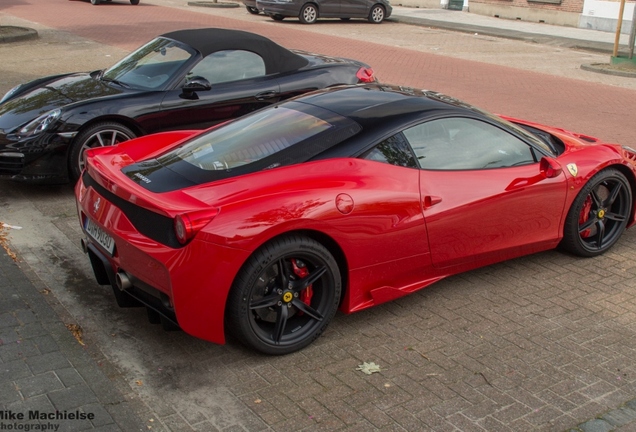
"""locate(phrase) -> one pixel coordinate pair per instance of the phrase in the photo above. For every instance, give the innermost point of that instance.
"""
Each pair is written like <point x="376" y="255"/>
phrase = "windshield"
<point x="151" y="66"/>
<point x="248" y="140"/>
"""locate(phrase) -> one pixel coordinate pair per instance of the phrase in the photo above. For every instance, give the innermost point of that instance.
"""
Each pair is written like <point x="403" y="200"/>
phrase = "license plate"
<point x="98" y="234"/>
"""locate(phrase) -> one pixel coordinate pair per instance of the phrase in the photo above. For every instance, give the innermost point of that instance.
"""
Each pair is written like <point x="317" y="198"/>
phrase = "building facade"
<point x="590" y="14"/>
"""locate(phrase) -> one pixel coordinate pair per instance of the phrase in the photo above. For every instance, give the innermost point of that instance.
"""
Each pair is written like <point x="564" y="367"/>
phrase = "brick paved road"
<point x="540" y="343"/>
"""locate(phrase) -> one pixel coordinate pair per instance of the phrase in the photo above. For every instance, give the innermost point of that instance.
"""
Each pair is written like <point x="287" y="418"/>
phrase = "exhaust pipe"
<point x="84" y="245"/>
<point x="122" y="281"/>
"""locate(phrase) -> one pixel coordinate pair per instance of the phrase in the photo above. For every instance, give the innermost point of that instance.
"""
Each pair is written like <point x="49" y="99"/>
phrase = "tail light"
<point x="81" y="190"/>
<point x="365" y="75"/>
<point x="186" y="225"/>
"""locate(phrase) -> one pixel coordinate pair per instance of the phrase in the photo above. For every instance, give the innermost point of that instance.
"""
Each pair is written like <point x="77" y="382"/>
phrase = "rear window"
<point x="270" y="138"/>
<point x="250" y="139"/>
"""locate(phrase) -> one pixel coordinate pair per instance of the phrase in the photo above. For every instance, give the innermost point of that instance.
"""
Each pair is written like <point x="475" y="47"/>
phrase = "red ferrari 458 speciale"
<point x="343" y="198"/>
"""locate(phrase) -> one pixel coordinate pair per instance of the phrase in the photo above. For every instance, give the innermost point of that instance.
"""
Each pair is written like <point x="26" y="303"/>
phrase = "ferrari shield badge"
<point x="96" y="205"/>
<point x="573" y="169"/>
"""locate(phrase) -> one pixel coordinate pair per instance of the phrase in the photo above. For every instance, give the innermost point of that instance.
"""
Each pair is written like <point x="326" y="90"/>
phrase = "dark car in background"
<point x="308" y="11"/>
<point x="187" y="79"/>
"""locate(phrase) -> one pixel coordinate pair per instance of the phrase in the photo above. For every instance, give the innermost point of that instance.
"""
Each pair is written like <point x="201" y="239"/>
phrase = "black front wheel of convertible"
<point x="598" y="215"/>
<point x="98" y="135"/>
<point x="285" y="296"/>
<point x="252" y="10"/>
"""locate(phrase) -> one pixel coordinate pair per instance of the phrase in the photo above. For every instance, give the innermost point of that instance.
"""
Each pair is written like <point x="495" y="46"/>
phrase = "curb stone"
<point x="609" y="421"/>
<point x="16" y="34"/>
<point x="608" y="69"/>
<point x="213" y="4"/>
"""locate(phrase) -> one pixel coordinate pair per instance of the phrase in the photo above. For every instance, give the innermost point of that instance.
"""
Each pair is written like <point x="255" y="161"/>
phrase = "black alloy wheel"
<point x="308" y="14"/>
<point x="285" y="296"/>
<point x="98" y="135"/>
<point x="598" y="215"/>
<point x="376" y="15"/>
<point x="252" y="10"/>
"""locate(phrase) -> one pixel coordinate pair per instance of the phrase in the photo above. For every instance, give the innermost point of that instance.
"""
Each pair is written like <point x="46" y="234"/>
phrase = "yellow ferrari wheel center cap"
<point x="601" y="214"/>
<point x="287" y="297"/>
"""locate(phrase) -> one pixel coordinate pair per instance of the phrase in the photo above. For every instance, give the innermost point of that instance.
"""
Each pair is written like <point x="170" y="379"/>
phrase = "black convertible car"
<point x="187" y="79"/>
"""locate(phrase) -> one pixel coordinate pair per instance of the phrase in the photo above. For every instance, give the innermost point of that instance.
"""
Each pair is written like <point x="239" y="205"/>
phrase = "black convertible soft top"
<point x="209" y="40"/>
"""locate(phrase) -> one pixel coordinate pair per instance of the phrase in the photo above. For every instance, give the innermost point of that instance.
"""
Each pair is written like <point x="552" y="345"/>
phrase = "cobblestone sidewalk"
<point x="48" y="380"/>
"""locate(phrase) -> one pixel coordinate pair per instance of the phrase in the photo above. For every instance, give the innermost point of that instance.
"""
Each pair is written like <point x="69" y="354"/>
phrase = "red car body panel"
<point x="396" y="229"/>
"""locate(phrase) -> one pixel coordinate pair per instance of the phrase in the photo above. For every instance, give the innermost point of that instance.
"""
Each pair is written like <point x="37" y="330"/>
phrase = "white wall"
<point x="603" y="15"/>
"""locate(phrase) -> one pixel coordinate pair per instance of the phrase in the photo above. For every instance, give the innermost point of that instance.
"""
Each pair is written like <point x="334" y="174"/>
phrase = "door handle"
<point x="430" y="201"/>
<point x="266" y="94"/>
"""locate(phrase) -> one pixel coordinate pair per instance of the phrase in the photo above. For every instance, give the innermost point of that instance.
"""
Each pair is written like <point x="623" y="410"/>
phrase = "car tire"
<point x="308" y="14"/>
<point x="252" y="10"/>
<point x="97" y="135"/>
<point x="377" y="14"/>
<point x="599" y="214"/>
<point x="95" y="2"/>
<point x="277" y="17"/>
<point x="134" y="2"/>
<point x="277" y="314"/>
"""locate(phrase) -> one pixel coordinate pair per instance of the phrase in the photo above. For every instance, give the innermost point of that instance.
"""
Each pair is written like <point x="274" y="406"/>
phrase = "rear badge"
<point x="573" y="169"/>
<point x="96" y="205"/>
<point x="143" y="178"/>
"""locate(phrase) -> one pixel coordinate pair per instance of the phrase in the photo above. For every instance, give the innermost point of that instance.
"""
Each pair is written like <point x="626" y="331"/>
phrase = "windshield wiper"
<point x="114" y="81"/>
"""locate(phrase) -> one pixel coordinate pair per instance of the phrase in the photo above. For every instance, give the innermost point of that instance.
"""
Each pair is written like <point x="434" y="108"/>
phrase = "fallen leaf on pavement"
<point x="368" y="368"/>
<point x="76" y="331"/>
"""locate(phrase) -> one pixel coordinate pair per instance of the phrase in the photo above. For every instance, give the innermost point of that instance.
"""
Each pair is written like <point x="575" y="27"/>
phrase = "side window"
<point x="393" y="151"/>
<point x="466" y="144"/>
<point x="229" y="65"/>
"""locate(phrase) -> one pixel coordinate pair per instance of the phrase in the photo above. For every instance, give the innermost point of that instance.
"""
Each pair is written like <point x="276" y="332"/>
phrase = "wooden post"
<point x="632" y="35"/>
<point x="617" y="40"/>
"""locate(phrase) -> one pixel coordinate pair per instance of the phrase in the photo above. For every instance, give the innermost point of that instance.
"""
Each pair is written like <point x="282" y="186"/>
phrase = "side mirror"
<point x="194" y="85"/>
<point x="549" y="167"/>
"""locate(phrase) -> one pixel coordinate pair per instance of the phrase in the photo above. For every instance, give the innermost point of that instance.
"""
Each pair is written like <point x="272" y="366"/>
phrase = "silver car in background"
<point x="308" y="11"/>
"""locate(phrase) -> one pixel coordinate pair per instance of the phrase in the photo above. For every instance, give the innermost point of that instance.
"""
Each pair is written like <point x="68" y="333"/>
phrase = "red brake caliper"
<point x="585" y="215"/>
<point x="300" y="269"/>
